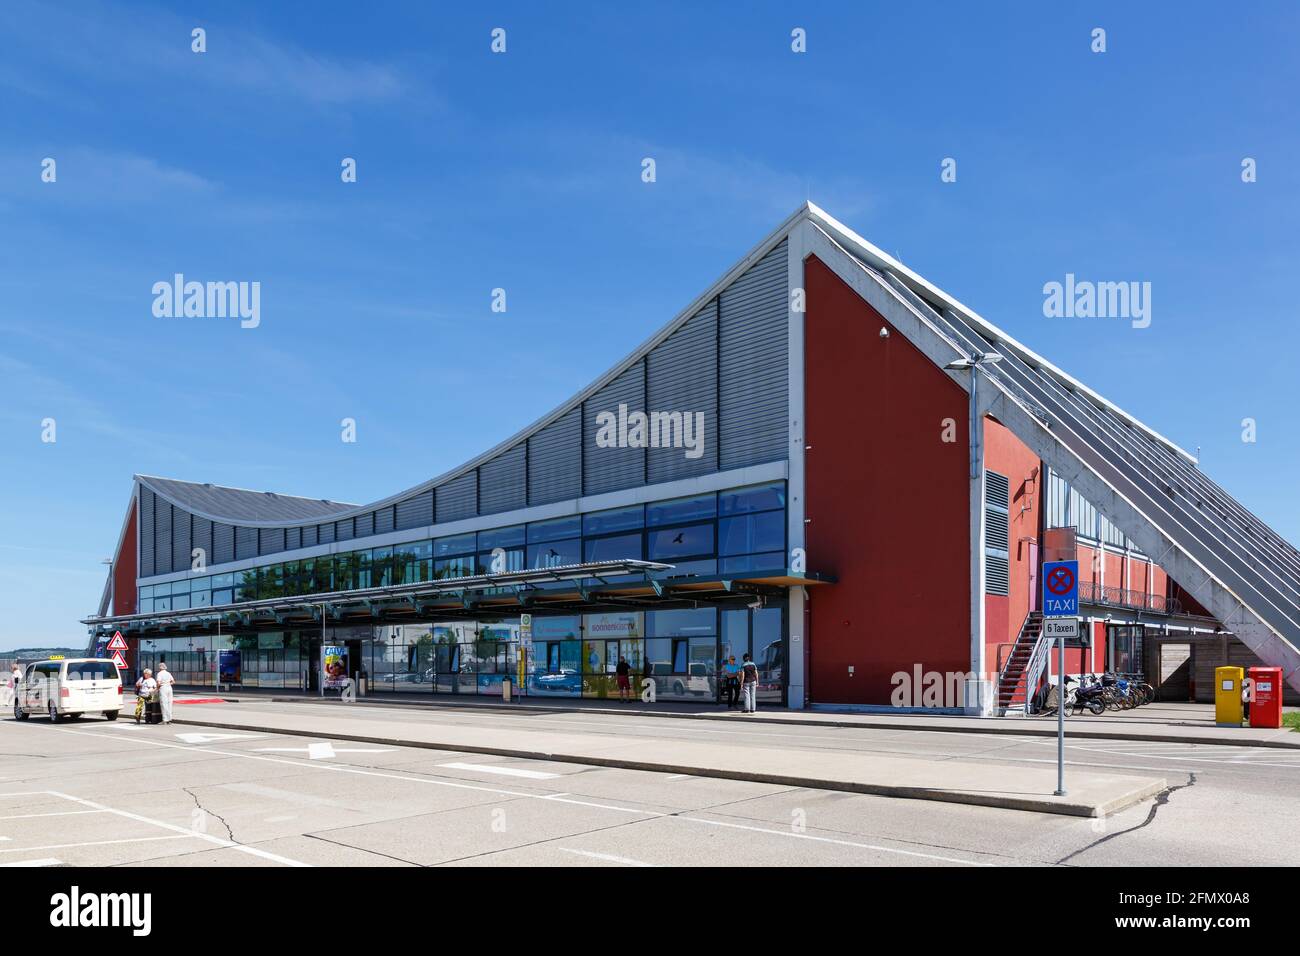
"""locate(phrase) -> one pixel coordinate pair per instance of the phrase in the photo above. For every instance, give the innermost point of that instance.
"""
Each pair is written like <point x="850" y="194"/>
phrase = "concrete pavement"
<point x="1018" y="788"/>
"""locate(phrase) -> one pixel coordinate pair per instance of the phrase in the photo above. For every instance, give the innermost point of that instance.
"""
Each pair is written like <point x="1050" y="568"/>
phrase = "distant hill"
<point x="29" y="653"/>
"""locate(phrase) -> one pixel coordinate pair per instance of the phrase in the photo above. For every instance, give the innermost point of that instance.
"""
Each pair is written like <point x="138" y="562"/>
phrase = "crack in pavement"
<point x="1161" y="800"/>
<point x="361" y="849"/>
<point x="230" y="834"/>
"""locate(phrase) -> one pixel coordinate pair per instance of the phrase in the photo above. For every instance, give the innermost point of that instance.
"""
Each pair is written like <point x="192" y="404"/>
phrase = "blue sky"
<point x="522" y="171"/>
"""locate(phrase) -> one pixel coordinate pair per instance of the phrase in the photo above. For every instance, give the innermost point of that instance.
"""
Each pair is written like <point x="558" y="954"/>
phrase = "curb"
<point x="1010" y="730"/>
<point x="969" y="798"/>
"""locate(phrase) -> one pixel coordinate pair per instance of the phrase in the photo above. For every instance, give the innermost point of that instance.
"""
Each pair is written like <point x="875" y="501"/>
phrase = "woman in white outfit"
<point x="165" y="681"/>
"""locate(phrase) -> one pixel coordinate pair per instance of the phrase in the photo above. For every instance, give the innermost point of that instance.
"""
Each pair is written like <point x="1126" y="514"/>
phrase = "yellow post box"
<point x="1227" y="696"/>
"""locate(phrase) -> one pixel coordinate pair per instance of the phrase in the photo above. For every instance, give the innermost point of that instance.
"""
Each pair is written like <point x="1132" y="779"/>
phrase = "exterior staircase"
<point x="1022" y="668"/>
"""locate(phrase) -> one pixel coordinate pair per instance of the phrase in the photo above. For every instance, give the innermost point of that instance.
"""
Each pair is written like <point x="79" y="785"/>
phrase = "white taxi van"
<point x="69" y="688"/>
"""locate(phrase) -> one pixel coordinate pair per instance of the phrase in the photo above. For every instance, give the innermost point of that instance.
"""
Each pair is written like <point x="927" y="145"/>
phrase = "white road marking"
<point x="679" y="776"/>
<point x="605" y="856"/>
<point x="557" y="798"/>
<point x="46" y="861"/>
<point x="280" y="819"/>
<point x="218" y="841"/>
<point x="325" y="750"/>
<point x="64" y="846"/>
<point x="208" y="738"/>
<point x="504" y="771"/>
<point x="60" y="813"/>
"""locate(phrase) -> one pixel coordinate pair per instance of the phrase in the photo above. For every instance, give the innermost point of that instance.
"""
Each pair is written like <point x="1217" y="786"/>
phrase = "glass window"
<point x="454" y="568"/>
<point x="735" y="634"/>
<point x="360" y="569"/>
<point x="680" y="542"/>
<point x="501" y="538"/>
<point x="769" y="653"/>
<point x="145" y="606"/>
<point x="162" y="604"/>
<point x="343" y="571"/>
<point x="768" y="561"/>
<point x="619" y="519"/>
<point x="411" y="562"/>
<point x="223" y="596"/>
<point x="270" y="582"/>
<point x="613" y="548"/>
<point x="458" y="544"/>
<point x="246" y="588"/>
<point x="146" y="591"/>
<point x="554" y="530"/>
<point x="754" y="498"/>
<point x="680" y="509"/>
<point x="750" y="533"/>
<point x="201" y="599"/>
<point x="555" y="553"/>
<point x="381" y="567"/>
<point x="292" y="578"/>
<point x="689" y="622"/>
<point x="223" y="580"/>
<point x="512" y="560"/>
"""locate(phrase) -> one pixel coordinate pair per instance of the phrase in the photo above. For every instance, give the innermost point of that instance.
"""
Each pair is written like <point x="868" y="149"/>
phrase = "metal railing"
<point x="1094" y="593"/>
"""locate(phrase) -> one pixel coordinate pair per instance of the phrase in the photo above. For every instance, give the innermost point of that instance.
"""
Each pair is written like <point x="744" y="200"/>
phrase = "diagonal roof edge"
<point x="162" y="487"/>
<point x="883" y="260"/>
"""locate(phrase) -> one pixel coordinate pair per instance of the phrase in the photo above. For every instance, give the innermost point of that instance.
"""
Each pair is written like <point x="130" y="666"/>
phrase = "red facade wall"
<point x="1003" y="616"/>
<point x="887" y="501"/>
<point x="124" y="568"/>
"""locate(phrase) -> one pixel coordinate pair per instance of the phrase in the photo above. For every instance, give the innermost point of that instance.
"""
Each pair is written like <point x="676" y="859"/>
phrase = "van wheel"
<point x="54" y="714"/>
<point x="110" y="715"/>
<point x="19" y="713"/>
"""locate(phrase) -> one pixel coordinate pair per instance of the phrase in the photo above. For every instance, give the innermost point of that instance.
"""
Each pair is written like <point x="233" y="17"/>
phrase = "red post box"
<point x="1266" y="708"/>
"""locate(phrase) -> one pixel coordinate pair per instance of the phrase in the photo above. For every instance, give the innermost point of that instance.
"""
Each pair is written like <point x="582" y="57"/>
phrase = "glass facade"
<point x="735" y="531"/>
<point x="572" y="655"/>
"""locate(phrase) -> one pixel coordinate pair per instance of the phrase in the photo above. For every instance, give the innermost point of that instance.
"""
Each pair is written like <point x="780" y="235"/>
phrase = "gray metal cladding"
<point x="270" y="540"/>
<point x="180" y="540"/>
<point x="608" y="469"/>
<point x="457" y="498"/>
<point x="325" y="533"/>
<point x="223" y="543"/>
<point x="415" y="512"/>
<point x="245" y="543"/>
<point x="146" y="532"/>
<point x="292" y="539"/>
<point x="754" y="364"/>
<point x="384" y="520"/>
<point x="162" y="537"/>
<point x="555" y="460"/>
<point x="503" y="482"/>
<point x="202" y="537"/>
<point x="343" y="530"/>
<point x="309" y="536"/>
<point x="364" y="524"/>
<point x="682" y="382"/>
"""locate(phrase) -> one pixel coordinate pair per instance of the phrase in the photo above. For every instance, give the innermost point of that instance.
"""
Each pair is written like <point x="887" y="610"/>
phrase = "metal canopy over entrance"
<point x="566" y="589"/>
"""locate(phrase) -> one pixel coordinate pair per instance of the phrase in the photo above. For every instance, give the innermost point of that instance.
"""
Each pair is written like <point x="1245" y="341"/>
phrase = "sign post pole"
<point x="1060" y="599"/>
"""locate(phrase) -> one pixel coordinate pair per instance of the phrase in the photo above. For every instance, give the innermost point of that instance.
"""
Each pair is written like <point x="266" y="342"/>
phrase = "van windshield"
<point x="92" y="670"/>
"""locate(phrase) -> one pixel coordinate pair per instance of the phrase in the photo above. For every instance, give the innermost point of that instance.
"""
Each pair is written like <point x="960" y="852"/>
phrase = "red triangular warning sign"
<point x="118" y="643"/>
<point x="118" y="659"/>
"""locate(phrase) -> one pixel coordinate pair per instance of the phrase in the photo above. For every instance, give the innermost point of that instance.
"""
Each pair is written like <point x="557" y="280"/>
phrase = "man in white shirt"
<point x="165" y="682"/>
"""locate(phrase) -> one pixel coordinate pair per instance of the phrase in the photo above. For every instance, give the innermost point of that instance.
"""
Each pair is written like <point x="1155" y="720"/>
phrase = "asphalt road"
<point x="97" y="793"/>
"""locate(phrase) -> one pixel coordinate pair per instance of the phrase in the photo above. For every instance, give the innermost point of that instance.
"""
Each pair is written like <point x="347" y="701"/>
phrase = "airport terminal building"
<point x="824" y="461"/>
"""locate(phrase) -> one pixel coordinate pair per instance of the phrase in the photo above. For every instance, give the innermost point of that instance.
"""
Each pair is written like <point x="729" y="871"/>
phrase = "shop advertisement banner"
<point x="230" y="667"/>
<point x="334" y="666"/>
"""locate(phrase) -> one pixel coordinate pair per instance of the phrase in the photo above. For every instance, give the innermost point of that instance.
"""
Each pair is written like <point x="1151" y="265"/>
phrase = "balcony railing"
<point x="1093" y="593"/>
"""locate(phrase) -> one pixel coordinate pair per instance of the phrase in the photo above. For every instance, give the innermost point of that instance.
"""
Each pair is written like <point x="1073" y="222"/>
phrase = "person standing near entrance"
<point x="624" y="676"/>
<point x="749" y="685"/>
<point x="145" y="688"/>
<point x="165" y="682"/>
<point x="731" y="681"/>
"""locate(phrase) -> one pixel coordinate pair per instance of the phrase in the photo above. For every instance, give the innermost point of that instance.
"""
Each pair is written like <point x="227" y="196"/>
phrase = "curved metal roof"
<point x="239" y="505"/>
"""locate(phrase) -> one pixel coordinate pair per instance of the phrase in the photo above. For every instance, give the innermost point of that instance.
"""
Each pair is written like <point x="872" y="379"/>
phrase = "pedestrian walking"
<point x="165" y="682"/>
<point x="11" y="688"/>
<point x="623" y="674"/>
<point x="1247" y="695"/>
<point x="731" y="682"/>
<point x="749" y="685"/>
